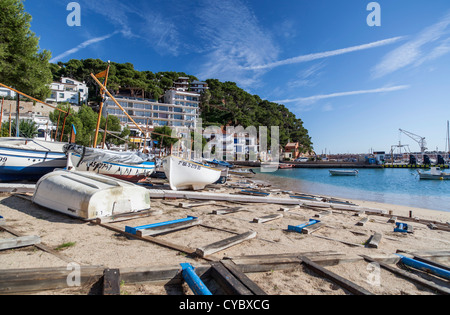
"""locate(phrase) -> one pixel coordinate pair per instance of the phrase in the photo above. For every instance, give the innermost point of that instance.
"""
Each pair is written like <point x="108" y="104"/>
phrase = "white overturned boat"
<point x="89" y="196"/>
<point x="434" y="173"/>
<point x="129" y="166"/>
<point x="29" y="159"/>
<point x="344" y="172"/>
<point x="184" y="174"/>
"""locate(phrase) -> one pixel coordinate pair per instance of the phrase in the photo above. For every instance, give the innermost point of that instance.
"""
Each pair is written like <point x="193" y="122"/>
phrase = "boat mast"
<point x="102" y="93"/>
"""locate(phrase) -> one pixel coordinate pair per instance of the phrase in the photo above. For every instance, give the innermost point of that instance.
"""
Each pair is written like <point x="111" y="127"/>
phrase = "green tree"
<point x="28" y="128"/>
<point x="164" y="137"/>
<point x="22" y="65"/>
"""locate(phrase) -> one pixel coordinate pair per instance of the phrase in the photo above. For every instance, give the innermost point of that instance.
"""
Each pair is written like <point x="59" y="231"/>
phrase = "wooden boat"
<point x="242" y="172"/>
<point x="434" y="173"/>
<point x="184" y="174"/>
<point x="89" y="196"/>
<point x="285" y="166"/>
<point x="344" y="172"/>
<point x="29" y="159"/>
<point x="122" y="165"/>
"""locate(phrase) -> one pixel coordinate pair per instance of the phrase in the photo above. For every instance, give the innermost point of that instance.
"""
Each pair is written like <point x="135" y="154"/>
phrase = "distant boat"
<point x="89" y="196"/>
<point x="129" y="166"/>
<point x="183" y="174"/>
<point x="344" y="172"/>
<point x="285" y="166"/>
<point x="434" y="173"/>
<point x="29" y="159"/>
<point x="220" y="163"/>
<point x="242" y="172"/>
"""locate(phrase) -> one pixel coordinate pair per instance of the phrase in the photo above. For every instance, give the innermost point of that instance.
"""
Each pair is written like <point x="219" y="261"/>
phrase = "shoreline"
<point x="301" y="186"/>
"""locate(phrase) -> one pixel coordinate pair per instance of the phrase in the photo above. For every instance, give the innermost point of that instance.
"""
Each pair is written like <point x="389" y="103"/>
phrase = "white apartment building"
<point x="68" y="90"/>
<point x="236" y="146"/>
<point x="4" y="92"/>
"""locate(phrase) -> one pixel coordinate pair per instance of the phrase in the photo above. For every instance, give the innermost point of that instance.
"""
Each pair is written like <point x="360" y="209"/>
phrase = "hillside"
<point x="224" y="103"/>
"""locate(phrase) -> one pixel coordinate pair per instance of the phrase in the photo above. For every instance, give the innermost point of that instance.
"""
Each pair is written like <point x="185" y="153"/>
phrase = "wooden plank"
<point x="196" y="204"/>
<point x="410" y="277"/>
<point x="18" y="242"/>
<point x="227" y="211"/>
<point x="346" y="284"/>
<point x="363" y="221"/>
<point x="246" y="281"/>
<point x="128" y="216"/>
<point x="267" y="218"/>
<point x="228" y="281"/>
<point x="374" y="241"/>
<point x="313" y="228"/>
<point x="111" y="282"/>
<point x="322" y="214"/>
<point x="16" y="281"/>
<point x="223" y="244"/>
<point x="392" y="220"/>
<point x="168" y="228"/>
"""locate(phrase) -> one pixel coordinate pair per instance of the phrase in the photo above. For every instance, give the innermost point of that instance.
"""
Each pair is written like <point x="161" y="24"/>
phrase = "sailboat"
<point x="128" y="166"/>
<point x="183" y="174"/>
<point x="29" y="159"/>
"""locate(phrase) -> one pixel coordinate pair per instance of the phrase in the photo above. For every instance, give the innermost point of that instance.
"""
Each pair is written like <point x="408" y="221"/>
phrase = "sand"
<point x="91" y="244"/>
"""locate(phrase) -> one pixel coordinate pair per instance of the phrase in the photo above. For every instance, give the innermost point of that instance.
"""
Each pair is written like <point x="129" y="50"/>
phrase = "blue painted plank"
<point x="193" y="280"/>
<point x="299" y="228"/>
<point x="425" y="267"/>
<point x="133" y="230"/>
<point x="403" y="228"/>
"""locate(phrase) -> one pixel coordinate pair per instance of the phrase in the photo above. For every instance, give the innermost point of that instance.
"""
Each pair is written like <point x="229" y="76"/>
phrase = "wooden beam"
<point x="246" y="281"/>
<point x="313" y="228"/>
<point x="363" y="221"/>
<point x="111" y="282"/>
<point x="228" y="281"/>
<point x="223" y="244"/>
<point x="169" y="228"/>
<point x="267" y="218"/>
<point x="227" y="211"/>
<point x="18" y="242"/>
<point x="322" y="214"/>
<point x="346" y="284"/>
<point x="374" y="241"/>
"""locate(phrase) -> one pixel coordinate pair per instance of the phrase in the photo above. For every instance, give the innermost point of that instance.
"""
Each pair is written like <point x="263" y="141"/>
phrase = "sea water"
<point x="392" y="186"/>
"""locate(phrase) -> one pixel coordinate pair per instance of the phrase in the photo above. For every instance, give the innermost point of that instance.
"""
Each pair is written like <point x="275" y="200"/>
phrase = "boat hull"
<point x="89" y="196"/>
<point x="128" y="172"/>
<point x="343" y="173"/>
<point x="22" y="159"/>
<point x="183" y="174"/>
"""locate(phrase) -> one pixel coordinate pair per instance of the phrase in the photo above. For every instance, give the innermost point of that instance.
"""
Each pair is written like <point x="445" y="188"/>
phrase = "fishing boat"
<point x="344" y="172"/>
<point x="434" y="173"/>
<point x="89" y="196"/>
<point x="242" y="172"/>
<point x="183" y="174"/>
<point x="285" y="166"/>
<point x="29" y="159"/>
<point x="129" y="166"/>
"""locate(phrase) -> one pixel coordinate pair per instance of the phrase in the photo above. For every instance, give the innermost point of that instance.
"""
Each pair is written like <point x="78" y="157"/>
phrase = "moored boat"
<point x="183" y="174"/>
<point x="344" y="172"/>
<point x="29" y="159"/>
<point x="89" y="196"/>
<point x="129" y="166"/>
<point x="434" y="173"/>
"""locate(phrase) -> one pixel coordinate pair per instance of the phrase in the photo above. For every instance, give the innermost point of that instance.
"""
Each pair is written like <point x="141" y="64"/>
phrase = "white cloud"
<point x="321" y="55"/>
<point x="431" y="43"/>
<point x="312" y="99"/>
<point x="232" y="37"/>
<point x="83" y="45"/>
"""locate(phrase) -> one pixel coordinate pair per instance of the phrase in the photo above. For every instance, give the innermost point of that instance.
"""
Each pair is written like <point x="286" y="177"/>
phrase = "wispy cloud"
<point x="312" y="99"/>
<point x="322" y="55"/>
<point x="431" y="43"/>
<point x="83" y="45"/>
<point x="232" y="36"/>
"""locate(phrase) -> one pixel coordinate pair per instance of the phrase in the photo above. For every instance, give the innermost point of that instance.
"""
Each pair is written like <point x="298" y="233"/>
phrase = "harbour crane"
<point x="420" y="140"/>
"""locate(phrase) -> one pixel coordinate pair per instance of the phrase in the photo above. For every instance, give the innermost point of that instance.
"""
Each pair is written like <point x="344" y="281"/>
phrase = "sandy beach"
<point x="89" y="244"/>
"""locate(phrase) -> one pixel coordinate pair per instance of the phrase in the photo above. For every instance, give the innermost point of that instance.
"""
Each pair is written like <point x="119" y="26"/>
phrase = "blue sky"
<point x="353" y="85"/>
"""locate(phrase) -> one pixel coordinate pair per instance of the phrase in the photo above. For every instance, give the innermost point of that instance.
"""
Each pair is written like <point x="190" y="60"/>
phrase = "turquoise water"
<point x="393" y="186"/>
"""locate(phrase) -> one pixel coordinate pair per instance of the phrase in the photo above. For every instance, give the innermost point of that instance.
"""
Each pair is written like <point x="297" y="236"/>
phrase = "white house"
<point x="4" y="92"/>
<point x="68" y="90"/>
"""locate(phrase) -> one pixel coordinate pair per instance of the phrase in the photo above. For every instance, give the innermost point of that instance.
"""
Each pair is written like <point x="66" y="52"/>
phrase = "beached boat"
<point x="129" y="166"/>
<point x="434" y="173"/>
<point x="89" y="196"/>
<point x="344" y="172"/>
<point x="29" y="159"/>
<point x="184" y="174"/>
